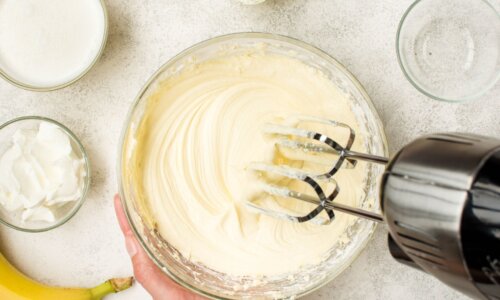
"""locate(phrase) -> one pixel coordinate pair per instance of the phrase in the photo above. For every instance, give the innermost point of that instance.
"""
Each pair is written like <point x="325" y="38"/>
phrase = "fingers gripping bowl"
<point x="191" y="257"/>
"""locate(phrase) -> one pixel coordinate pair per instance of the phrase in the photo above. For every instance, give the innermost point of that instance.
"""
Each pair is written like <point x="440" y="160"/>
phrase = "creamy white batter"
<point x="201" y="130"/>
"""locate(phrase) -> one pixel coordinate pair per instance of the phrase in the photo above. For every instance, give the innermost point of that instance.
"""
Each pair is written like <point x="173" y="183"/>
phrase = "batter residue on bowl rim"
<point x="200" y="131"/>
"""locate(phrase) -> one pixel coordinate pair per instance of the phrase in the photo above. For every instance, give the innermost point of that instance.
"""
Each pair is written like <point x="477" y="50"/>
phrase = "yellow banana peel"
<point x="14" y="285"/>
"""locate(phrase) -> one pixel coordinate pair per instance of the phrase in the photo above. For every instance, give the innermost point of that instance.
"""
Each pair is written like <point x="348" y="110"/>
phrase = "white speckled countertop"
<point x="145" y="34"/>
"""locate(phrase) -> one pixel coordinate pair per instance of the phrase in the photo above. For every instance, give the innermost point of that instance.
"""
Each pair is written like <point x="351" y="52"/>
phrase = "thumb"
<point x="145" y="271"/>
<point x="152" y="278"/>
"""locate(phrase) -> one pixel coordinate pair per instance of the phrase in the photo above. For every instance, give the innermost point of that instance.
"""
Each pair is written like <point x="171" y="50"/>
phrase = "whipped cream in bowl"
<point x="44" y="174"/>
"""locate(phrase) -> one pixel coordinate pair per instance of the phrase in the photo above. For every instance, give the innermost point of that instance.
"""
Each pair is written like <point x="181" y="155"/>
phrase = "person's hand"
<point x="145" y="271"/>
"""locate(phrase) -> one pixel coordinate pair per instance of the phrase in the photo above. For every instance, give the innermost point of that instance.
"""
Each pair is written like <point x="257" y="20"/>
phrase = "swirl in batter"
<point x="200" y="131"/>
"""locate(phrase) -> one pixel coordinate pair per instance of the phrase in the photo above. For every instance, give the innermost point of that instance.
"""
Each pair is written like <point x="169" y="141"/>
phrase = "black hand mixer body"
<point x="440" y="197"/>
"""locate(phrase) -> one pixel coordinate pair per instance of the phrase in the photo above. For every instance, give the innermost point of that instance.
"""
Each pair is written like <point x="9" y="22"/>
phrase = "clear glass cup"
<point x="450" y="49"/>
<point x="4" y="74"/>
<point x="64" y="213"/>
<point x="211" y="283"/>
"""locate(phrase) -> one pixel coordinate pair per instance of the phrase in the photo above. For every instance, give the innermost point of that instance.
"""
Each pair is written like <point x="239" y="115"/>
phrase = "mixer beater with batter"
<point x="440" y="197"/>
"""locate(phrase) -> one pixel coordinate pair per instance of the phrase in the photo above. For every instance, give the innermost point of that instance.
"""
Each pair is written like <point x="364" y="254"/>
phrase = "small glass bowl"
<point x="450" y="49"/>
<point x="65" y="212"/>
<point x="9" y="78"/>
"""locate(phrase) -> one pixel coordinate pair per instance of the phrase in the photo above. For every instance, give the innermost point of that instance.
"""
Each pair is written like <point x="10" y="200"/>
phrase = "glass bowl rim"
<point x="412" y="79"/>
<point x="86" y="184"/>
<point x="34" y="88"/>
<point x="199" y="45"/>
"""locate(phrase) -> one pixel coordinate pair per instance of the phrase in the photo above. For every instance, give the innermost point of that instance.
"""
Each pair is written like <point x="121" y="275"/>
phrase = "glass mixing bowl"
<point x="210" y="282"/>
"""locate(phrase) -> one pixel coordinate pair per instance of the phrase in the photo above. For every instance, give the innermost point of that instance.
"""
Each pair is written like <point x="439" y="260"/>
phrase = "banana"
<point x="14" y="285"/>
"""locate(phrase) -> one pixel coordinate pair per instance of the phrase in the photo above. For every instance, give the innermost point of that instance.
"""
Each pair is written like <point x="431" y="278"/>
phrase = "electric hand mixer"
<point x="440" y="198"/>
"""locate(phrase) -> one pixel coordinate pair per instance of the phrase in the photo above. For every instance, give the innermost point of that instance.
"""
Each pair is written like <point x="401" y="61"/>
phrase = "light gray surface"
<point x="145" y="34"/>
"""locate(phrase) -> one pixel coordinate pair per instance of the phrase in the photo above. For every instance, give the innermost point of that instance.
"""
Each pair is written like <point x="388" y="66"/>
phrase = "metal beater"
<point x="440" y="198"/>
<point x="291" y="138"/>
